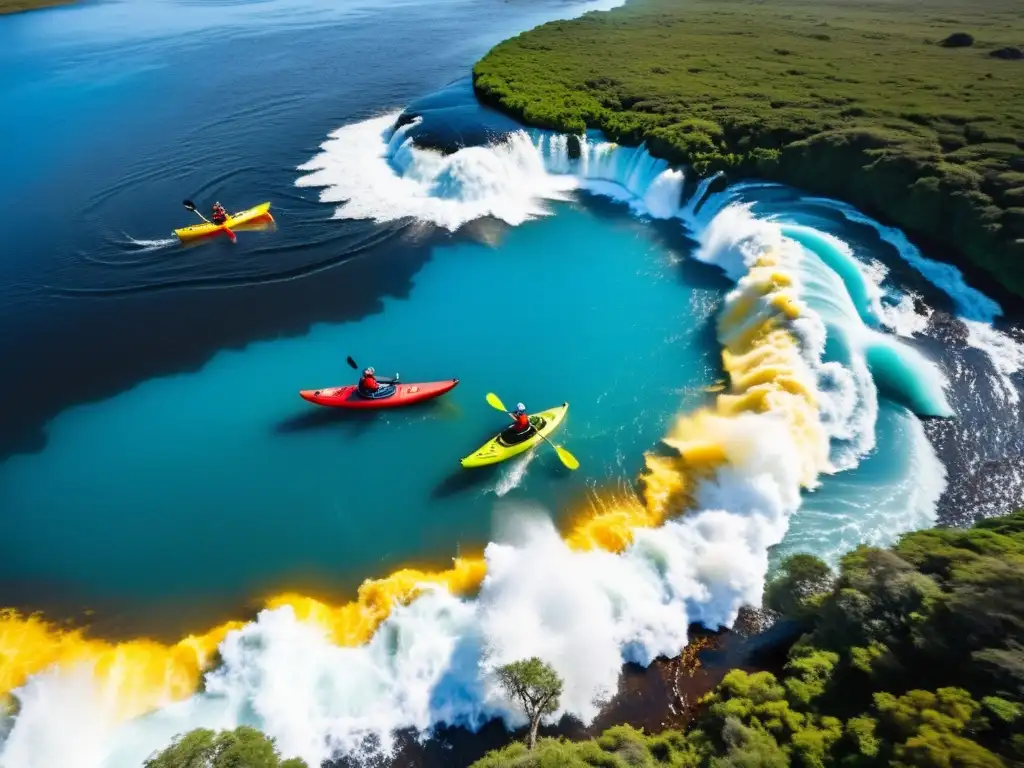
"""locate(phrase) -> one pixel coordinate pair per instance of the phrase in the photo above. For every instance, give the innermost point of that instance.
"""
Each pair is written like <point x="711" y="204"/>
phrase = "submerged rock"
<point x="958" y="40"/>
<point x="573" y="147"/>
<point x="1009" y="52"/>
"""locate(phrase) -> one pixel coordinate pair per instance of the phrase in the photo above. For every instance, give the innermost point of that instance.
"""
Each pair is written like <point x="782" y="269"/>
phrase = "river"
<point x="160" y="476"/>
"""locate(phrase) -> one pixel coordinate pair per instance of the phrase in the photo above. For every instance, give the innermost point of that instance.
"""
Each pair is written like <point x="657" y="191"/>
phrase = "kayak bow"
<point x="498" y="450"/>
<point x="405" y="394"/>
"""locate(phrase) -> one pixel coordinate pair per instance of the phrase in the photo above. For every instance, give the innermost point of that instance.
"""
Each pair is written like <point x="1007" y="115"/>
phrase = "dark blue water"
<point x="115" y="112"/>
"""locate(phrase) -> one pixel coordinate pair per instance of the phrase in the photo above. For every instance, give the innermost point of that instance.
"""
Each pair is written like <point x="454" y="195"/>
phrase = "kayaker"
<point x="370" y="385"/>
<point x="219" y="214"/>
<point x="521" y="425"/>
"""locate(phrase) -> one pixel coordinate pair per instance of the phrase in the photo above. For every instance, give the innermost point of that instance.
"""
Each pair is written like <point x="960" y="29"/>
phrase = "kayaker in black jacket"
<point x="219" y="214"/>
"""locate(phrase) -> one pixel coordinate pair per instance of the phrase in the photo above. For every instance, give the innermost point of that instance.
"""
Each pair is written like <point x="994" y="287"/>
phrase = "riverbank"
<point x="879" y="104"/>
<point x="895" y="664"/>
<point x="665" y="695"/>
<point x="898" y="666"/>
<point x="20" y="6"/>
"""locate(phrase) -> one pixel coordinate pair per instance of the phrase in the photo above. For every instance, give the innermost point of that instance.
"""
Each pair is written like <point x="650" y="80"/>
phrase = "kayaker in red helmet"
<point x="219" y="214"/>
<point x="370" y="385"/>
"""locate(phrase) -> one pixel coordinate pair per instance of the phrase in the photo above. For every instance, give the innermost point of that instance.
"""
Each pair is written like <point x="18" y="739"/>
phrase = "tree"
<point x="797" y="588"/>
<point x="243" y="747"/>
<point x="809" y="674"/>
<point x="749" y="748"/>
<point x="536" y="686"/>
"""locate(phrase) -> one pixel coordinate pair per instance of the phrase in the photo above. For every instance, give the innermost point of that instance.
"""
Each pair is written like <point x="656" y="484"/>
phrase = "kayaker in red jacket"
<point x="521" y="420"/>
<point x="219" y="214"/>
<point x="369" y="384"/>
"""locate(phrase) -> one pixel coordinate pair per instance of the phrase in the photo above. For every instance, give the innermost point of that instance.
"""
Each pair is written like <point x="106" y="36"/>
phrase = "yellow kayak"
<point x="497" y="449"/>
<point x="261" y="211"/>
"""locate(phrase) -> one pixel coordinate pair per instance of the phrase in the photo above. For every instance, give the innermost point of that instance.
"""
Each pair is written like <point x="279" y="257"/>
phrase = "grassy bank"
<point x="17" y="6"/>
<point x="857" y="100"/>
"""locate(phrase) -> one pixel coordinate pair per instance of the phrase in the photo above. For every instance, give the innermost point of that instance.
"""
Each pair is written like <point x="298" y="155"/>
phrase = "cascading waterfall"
<point x="627" y="173"/>
<point x="377" y="172"/>
<point x="805" y="355"/>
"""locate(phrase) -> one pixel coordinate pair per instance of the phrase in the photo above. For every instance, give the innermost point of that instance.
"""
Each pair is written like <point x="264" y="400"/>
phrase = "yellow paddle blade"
<point x="495" y="402"/>
<point x="567" y="458"/>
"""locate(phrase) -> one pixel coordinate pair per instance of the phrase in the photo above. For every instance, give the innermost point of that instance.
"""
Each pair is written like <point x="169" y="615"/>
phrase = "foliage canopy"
<point x="241" y="748"/>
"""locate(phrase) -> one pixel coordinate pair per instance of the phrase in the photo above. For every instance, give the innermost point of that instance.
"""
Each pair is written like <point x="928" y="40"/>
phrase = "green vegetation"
<point x="241" y="748"/>
<point x="535" y="686"/>
<point x="618" y="747"/>
<point x="856" y="99"/>
<point x="17" y="6"/>
<point x="913" y="657"/>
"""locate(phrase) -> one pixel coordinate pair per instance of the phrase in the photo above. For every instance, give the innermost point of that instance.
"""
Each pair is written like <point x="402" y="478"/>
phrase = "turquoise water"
<point x="224" y="483"/>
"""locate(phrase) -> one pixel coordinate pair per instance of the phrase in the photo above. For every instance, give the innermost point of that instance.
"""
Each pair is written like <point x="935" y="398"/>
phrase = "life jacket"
<point x="368" y="384"/>
<point x="522" y="422"/>
<point x="219" y="214"/>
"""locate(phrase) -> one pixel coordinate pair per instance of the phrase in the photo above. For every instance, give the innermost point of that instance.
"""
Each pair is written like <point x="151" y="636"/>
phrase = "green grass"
<point x="17" y="6"/>
<point x="851" y="99"/>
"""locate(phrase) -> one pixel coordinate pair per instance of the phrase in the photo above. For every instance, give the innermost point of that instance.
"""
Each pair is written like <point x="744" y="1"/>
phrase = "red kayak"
<point x="403" y="394"/>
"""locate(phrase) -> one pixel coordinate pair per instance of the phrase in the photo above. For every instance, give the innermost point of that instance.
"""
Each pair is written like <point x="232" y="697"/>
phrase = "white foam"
<point x="903" y="317"/>
<point x="513" y="474"/>
<point x="145" y="246"/>
<point x="1005" y="352"/>
<point x="357" y="168"/>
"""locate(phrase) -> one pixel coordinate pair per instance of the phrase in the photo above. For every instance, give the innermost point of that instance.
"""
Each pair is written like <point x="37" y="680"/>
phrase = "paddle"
<point x="567" y="458"/>
<point x="192" y="207"/>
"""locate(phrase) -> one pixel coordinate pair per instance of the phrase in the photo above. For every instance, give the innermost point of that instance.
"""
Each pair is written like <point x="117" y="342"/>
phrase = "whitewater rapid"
<point x="809" y="337"/>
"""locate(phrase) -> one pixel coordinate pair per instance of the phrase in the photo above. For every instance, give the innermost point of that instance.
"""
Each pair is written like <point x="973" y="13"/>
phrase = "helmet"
<point x="369" y="372"/>
<point x="520" y="408"/>
<point x="216" y="205"/>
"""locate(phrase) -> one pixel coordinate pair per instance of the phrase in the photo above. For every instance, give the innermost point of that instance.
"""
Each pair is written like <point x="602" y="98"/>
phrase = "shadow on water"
<point x="322" y="418"/>
<point x="462" y="480"/>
